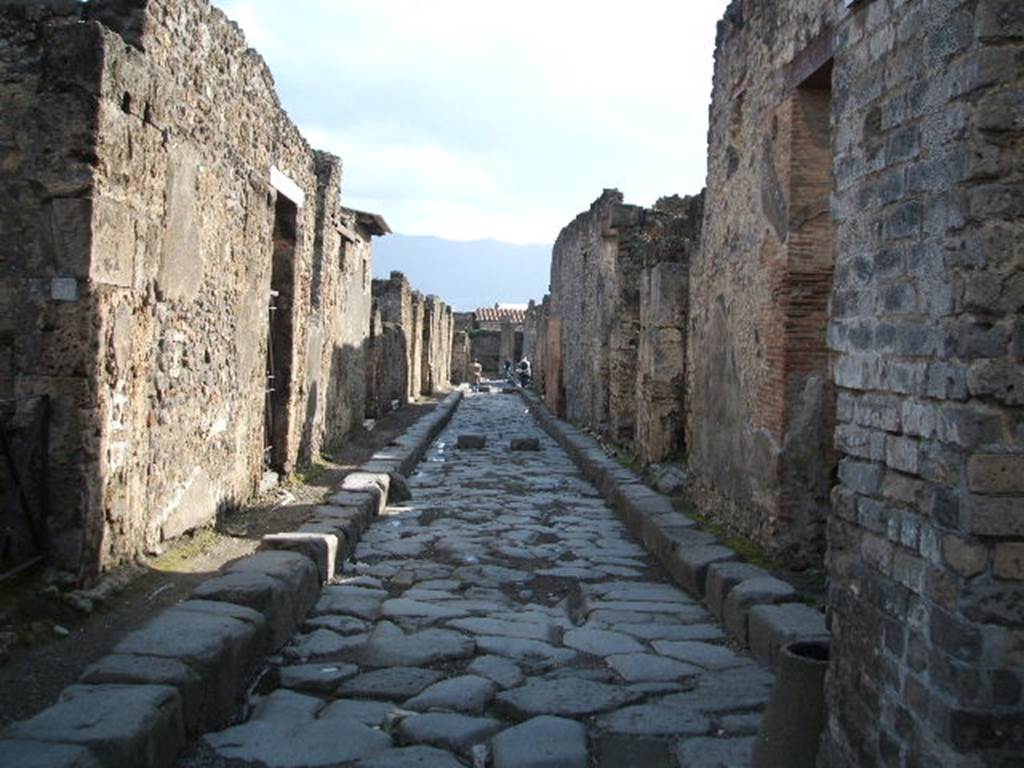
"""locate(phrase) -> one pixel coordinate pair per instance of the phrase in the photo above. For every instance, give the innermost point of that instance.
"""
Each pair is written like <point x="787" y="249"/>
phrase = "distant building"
<point x="495" y="334"/>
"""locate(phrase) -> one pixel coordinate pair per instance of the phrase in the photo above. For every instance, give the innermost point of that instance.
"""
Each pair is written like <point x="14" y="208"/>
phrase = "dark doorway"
<point x="809" y="396"/>
<point x="280" y="341"/>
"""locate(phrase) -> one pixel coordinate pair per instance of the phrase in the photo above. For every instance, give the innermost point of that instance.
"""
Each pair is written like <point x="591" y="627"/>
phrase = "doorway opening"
<point x="280" y="338"/>
<point x="809" y="397"/>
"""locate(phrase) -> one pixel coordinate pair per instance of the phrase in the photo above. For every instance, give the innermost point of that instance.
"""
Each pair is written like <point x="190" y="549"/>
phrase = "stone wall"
<point x="47" y="340"/>
<point x="535" y="337"/>
<point x="661" y="362"/>
<point x="460" y="357"/>
<point x="415" y="336"/>
<point x="601" y="272"/>
<point x="759" y="426"/>
<point x="462" y="325"/>
<point x="419" y="329"/>
<point x="435" y="370"/>
<point x="155" y="205"/>
<point x="925" y="543"/>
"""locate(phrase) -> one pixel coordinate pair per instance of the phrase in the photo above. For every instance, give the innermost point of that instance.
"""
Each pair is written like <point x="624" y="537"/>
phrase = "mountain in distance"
<point x="466" y="275"/>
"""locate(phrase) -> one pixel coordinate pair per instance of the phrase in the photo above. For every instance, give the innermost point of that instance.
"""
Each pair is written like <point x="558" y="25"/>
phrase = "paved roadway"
<point x="502" y="617"/>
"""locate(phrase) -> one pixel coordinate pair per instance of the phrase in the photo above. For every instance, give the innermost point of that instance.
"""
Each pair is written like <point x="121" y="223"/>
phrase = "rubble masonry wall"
<point x="143" y="307"/>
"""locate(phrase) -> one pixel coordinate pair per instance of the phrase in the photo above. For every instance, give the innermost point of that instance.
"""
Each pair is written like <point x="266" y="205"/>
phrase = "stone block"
<point x="471" y="442"/>
<point x="747" y="594"/>
<point x="398" y="490"/>
<point x="321" y="548"/>
<point x="996" y="516"/>
<point x="1008" y="563"/>
<point x="689" y="564"/>
<point x="365" y="505"/>
<point x="770" y="627"/>
<point x="997" y="474"/>
<point x="37" y="754"/>
<point x="381" y="466"/>
<point x="524" y="444"/>
<point x="122" y="725"/>
<point x="148" y="670"/>
<point x="296" y="572"/>
<point x="258" y="591"/>
<point x="374" y="483"/>
<point x="344" y="530"/>
<point x="721" y="578"/>
<point x="221" y="642"/>
<point x="663" y="534"/>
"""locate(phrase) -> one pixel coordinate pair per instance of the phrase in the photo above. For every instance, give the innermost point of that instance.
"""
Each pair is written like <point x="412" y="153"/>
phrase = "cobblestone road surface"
<point x="502" y="617"/>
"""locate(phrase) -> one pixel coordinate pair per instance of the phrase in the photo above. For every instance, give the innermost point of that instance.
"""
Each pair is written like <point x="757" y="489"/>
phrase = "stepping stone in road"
<point x="543" y="742"/>
<point x="471" y="442"/>
<point x="525" y="444"/>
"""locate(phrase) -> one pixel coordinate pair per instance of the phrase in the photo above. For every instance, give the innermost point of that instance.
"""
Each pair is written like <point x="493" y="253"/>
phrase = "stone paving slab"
<point x="504" y="606"/>
<point x="542" y="742"/>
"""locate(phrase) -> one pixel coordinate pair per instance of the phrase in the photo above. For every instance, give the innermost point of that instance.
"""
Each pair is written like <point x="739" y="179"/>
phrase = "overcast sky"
<point x="471" y="119"/>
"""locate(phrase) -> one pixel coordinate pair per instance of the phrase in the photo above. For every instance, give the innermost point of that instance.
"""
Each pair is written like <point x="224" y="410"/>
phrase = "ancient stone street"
<point x="503" y="611"/>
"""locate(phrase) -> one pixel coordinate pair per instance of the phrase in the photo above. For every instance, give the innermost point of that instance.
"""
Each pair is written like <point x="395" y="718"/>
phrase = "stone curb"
<point x="756" y="610"/>
<point x="182" y="674"/>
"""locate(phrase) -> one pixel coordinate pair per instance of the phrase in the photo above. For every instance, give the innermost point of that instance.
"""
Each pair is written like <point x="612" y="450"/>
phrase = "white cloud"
<point x="469" y="119"/>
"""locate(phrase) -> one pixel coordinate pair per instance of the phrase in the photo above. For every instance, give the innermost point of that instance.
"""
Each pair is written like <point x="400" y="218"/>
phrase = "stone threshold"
<point x="757" y="610"/>
<point x="186" y="671"/>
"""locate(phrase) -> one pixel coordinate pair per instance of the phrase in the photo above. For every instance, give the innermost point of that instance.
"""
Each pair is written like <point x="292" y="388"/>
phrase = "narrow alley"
<point x="503" y="613"/>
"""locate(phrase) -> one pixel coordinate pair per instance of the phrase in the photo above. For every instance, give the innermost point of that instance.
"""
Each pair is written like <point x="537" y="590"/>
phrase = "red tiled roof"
<point x="495" y="314"/>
